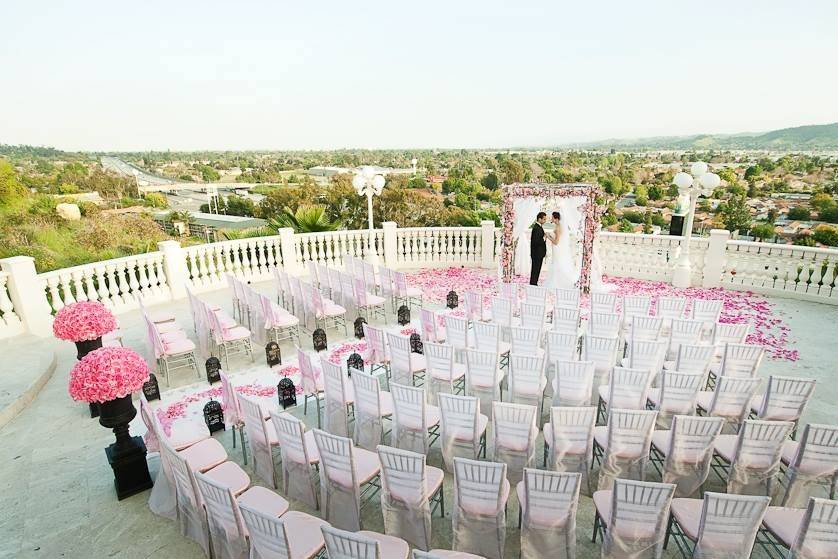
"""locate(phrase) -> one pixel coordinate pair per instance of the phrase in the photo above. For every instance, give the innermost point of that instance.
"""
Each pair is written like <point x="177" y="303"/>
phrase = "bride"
<point x="561" y="273"/>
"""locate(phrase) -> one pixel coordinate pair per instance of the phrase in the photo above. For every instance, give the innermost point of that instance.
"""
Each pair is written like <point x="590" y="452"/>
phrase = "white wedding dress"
<point x="562" y="272"/>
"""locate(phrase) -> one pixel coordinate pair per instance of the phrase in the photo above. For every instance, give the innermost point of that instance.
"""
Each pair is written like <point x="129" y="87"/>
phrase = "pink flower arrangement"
<point x="83" y="321"/>
<point x="106" y="374"/>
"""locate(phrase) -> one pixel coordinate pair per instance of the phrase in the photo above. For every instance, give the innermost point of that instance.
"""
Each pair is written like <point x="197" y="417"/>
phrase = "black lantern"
<point x="356" y="362"/>
<point x="416" y="343"/>
<point x="151" y="390"/>
<point x="359" y="327"/>
<point x="404" y="315"/>
<point x="214" y="416"/>
<point x="213" y="366"/>
<point x="318" y="339"/>
<point x="286" y="393"/>
<point x="451" y="301"/>
<point x="272" y="354"/>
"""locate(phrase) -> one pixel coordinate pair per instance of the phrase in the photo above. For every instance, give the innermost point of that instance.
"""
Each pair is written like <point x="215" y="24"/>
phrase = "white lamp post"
<point x="368" y="183"/>
<point x="413" y="162"/>
<point x="698" y="182"/>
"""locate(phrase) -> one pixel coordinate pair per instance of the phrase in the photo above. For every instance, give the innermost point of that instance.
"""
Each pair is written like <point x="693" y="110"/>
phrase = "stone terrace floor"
<point x="56" y="492"/>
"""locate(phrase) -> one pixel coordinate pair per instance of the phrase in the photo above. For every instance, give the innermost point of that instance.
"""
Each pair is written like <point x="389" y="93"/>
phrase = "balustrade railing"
<point x="330" y="247"/>
<point x="638" y="256"/>
<point x="443" y="245"/>
<point x="251" y="259"/>
<point x="10" y="323"/>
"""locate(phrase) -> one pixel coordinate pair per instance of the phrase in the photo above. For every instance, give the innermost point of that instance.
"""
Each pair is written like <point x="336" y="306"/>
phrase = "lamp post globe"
<point x="697" y="182"/>
<point x="368" y="183"/>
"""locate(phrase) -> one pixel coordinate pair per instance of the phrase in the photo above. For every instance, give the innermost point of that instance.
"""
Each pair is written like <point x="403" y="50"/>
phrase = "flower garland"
<point x="106" y="374"/>
<point x="83" y="321"/>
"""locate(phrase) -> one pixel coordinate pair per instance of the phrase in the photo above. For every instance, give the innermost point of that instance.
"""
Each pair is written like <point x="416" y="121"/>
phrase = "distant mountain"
<point x="799" y="138"/>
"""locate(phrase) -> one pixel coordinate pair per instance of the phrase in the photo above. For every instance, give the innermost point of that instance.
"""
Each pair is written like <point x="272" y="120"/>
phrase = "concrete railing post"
<point x="174" y="265"/>
<point x="487" y="244"/>
<point x="289" y="255"/>
<point x="27" y="294"/>
<point x="714" y="262"/>
<point x="390" y="253"/>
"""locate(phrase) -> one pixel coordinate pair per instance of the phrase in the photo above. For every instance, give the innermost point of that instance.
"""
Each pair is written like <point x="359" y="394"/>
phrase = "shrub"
<point x="826" y="235"/>
<point x="156" y="200"/>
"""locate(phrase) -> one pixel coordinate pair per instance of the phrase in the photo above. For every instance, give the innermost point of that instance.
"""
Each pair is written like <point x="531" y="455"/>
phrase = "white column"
<point x="289" y="255"/>
<point x="27" y="294"/>
<point x="487" y="244"/>
<point x="716" y="258"/>
<point x="174" y="266"/>
<point x="390" y="252"/>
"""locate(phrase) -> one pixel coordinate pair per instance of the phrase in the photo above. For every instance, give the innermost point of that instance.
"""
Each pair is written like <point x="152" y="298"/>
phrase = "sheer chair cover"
<point x="564" y="298"/>
<point x="163" y="498"/>
<point x="227" y="535"/>
<point x="813" y="467"/>
<point x="730" y="400"/>
<point x="756" y="459"/>
<point x="270" y="535"/>
<point x="535" y="295"/>
<point x="604" y="302"/>
<point x="706" y="311"/>
<point x="479" y="516"/>
<point x="572" y="383"/>
<point x="688" y="449"/>
<point x="816" y="538"/>
<point x="233" y="416"/>
<point x="639" y="513"/>
<point x="260" y="440"/>
<point x="645" y="328"/>
<point x="483" y="378"/>
<point x="566" y="321"/>
<point x="441" y="370"/>
<point x="487" y="337"/>
<point x="635" y="306"/>
<point x="526" y="341"/>
<point x="255" y="315"/>
<point x="514" y="431"/>
<point x="405" y="500"/>
<point x="683" y="331"/>
<point x="369" y="411"/>
<point x="511" y="291"/>
<point x="456" y="333"/>
<point x="646" y="355"/>
<point x="527" y="380"/>
<point x="340" y="488"/>
<point x="739" y="360"/>
<point x="411" y="418"/>
<point x="503" y="312"/>
<point x="338" y="396"/>
<point x="692" y="358"/>
<point x="533" y="314"/>
<point x="569" y="437"/>
<point x="473" y="306"/>
<point x="388" y="287"/>
<point x="190" y="513"/>
<point x="377" y="354"/>
<point x="785" y="399"/>
<point x="606" y="325"/>
<point x="298" y="456"/>
<point x="462" y="427"/>
<point x="341" y="544"/>
<point x="603" y="353"/>
<point x="548" y="502"/>
<point x="669" y="308"/>
<point x="560" y="347"/>
<point x="626" y="452"/>
<point x="628" y="390"/>
<point x="676" y="395"/>
<point x="431" y="332"/>
<point x="728" y="525"/>
<point x="724" y="332"/>
<point x="312" y="382"/>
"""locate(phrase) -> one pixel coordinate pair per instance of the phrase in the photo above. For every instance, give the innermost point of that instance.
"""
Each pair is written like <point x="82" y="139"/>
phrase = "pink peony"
<point x="83" y="321"/>
<point x="106" y="374"/>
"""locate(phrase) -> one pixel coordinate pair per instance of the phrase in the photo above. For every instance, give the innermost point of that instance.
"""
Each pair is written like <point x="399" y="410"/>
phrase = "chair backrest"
<point x="510" y="291"/>
<point x="400" y="366"/>
<point x="525" y="340"/>
<point x="759" y="444"/>
<point x="671" y="307"/>
<point x="646" y="328"/>
<point x="786" y="397"/>
<point x="232" y="411"/>
<point x="146" y="414"/>
<point x="535" y="295"/>
<point x="562" y="347"/>
<point x="376" y="348"/>
<point x="629" y="388"/>
<point x="816" y="537"/>
<point x="222" y="509"/>
<point x="694" y="358"/>
<point x="258" y="439"/>
<point x="573" y="383"/>
<point x="601" y="350"/>
<point x="741" y="360"/>
<point x="347" y="288"/>
<point x="684" y="331"/>
<point x="630" y="432"/>
<point x="154" y="339"/>
<point x="341" y="544"/>
<point x="359" y="289"/>
<point x="459" y="416"/>
<point x="729" y="523"/>
<point x="400" y="282"/>
<point x="473" y="304"/>
<point x="291" y="434"/>
<point x="818" y="450"/>
<point x="487" y="336"/>
<point x="706" y="310"/>
<point x="430" y="329"/>
<point x="368" y="273"/>
<point x="691" y="438"/>
<point x="502" y="311"/>
<point x="604" y="302"/>
<point x="513" y="426"/>
<point x="334" y="381"/>
<point x="403" y="474"/>
<point x="187" y="491"/>
<point x="604" y="324"/>
<point x="678" y="392"/>
<point x="526" y="374"/>
<point x="313" y="276"/>
<point x="481" y="369"/>
<point x="456" y="331"/>
<point x="732" y="397"/>
<point x="337" y="458"/>
<point x="573" y="428"/>
<point x="565" y="299"/>
<point x="636" y="305"/>
<point x="478" y="486"/>
<point x="730" y="333"/>
<point x="267" y="533"/>
<point x="550" y="497"/>
<point x="439" y="359"/>
<point x="409" y="406"/>
<point x="334" y="280"/>
<point x="532" y="315"/>
<point x="385" y="275"/>
<point x="647" y="355"/>
<point x="566" y="321"/>
<point x="640" y="509"/>
<point x="307" y="372"/>
<point x="367" y="394"/>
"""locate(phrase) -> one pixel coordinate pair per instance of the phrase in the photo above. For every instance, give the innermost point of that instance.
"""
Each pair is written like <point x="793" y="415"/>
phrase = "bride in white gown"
<point x="562" y="272"/>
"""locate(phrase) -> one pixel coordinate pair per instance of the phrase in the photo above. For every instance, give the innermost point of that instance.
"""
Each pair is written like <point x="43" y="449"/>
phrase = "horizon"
<point x="118" y="78"/>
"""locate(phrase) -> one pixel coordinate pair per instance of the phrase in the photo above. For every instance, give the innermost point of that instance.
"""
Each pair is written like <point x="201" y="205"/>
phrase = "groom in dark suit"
<point x="538" y="247"/>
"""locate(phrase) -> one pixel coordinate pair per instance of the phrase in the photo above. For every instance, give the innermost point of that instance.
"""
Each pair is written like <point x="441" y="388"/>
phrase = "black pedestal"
<point x="130" y="469"/>
<point x="676" y="225"/>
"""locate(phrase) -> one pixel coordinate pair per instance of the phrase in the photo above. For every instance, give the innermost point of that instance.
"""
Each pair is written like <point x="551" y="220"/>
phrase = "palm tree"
<point x="307" y="219"/>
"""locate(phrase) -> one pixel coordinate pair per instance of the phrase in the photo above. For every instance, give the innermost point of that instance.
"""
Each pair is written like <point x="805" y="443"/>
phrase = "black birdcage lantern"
<point x="214" y="416"/>
<point x="451" y="301"/>
<point x="286" y="392"/>
<point x="359" y="327"/>
<point x="318" y="339"/>
<point x="356" y="362"/>
<point x="151" y="390"/>
<point x="213" y="366"/>
<point x="416" y="343"/>
<point x="273" y="355"/>
<point x="404" y="315"/>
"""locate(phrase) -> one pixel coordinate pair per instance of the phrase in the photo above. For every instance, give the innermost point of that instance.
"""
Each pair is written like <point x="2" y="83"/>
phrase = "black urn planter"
<point x="127" y="456"/>
<point x="83" y="348"/>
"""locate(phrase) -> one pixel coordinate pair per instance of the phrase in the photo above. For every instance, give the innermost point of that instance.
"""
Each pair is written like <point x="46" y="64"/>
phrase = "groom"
<point x="538" y="247"/>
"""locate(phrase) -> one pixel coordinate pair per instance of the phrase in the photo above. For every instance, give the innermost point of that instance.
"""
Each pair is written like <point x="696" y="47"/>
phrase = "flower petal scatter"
<point x="83" y="321"/>
<point x="106" y="374"/>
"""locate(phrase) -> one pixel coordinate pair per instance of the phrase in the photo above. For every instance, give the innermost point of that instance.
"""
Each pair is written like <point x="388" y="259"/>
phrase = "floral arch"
<point x="581" y="196"/>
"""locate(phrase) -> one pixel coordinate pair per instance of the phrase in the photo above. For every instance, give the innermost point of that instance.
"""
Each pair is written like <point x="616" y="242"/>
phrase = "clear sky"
<point x="183" y="74"/>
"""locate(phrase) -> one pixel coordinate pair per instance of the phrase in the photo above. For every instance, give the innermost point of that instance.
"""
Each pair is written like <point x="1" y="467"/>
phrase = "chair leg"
<point x="596" y="526"/>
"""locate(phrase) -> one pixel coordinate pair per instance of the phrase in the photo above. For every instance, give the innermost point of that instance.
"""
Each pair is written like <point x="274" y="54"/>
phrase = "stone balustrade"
<point x="28" y="299"/>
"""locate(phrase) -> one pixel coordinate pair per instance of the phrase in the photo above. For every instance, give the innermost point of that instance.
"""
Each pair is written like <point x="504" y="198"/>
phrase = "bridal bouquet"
<point x="83" y="321"/>
<point x="106" y="374"/>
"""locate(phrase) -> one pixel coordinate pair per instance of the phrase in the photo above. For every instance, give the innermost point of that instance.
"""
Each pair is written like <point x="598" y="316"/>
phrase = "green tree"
<point x="753" y="173"/>
<point x="826" y="235"/>
<point x="208" y="174"/>
<point x="763" y="231"/>
<point x="822" y="201"/>
<point x="647" y="222"/>
<point x="306" y="219"/>
<point x="771" y="217"/>
<point x="736" y="215"/>
<point x="11" y="189"/>
<point x="641" y="195"/>
<point x="490" y="181"/>
<point x="800" y="213"/>
<point x="511" y="171"/>
<point x="830" y="215"/>
<point x="241" y="206"/>
<point x="626" y="226"/>
<point x="156" y="200"/>
<point x="804" y="240"/>
<point x="655" y="192"/>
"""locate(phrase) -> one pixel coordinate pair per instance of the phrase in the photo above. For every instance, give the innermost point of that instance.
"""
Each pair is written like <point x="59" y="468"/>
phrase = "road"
<point x="152" y="183"/>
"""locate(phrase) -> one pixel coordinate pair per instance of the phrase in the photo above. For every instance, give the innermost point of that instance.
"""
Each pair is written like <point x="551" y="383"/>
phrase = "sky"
<point x="188" y="75"/>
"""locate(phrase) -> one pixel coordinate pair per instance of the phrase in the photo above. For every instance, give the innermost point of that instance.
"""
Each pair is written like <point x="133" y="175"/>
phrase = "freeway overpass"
<point x="146" y="182"/>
